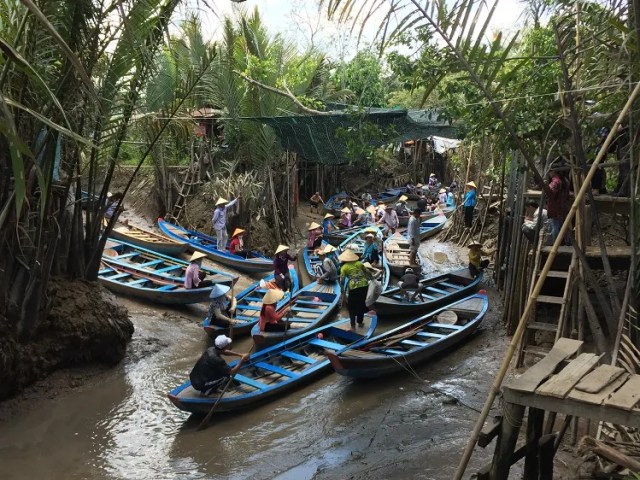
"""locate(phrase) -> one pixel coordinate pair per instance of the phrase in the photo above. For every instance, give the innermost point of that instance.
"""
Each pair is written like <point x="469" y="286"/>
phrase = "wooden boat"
<point x="275" y="370"/>
<point x="403" y="220"/>
<point x="336" y="237"/>
<point x="248" y="307"/>
<point x="333" y="204"/>
<point x="150" y="287"/>
<point x="388" y="196"/>
<point x="396" y="255"/>
<point x="207" y="245"/>
<point x="431" y="227"/>
<point x="310" y="307"/>
<point x="439" y="290"/>
<point x="413" y="342"/>
<point x="311" y="260"/>
<point x="147" y="239"/>
<point x="356" y="242"/>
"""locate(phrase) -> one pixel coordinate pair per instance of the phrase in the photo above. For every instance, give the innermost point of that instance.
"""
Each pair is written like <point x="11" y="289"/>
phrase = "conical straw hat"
<point x="237" y="231"/>
<point x="471" y="184"/>
<point x="196" y="256"/>
<point x="348" y="256"/>
<point x="329" y="215"/>
<point x="221" y="201"/>
<point x="219" y="290"/>
<point x="273" y="296"/>
<point x="403" y="198"/>
<point x="313" y="226"/>
<point x="346" y="210"/>
<point x="282" y="248"/>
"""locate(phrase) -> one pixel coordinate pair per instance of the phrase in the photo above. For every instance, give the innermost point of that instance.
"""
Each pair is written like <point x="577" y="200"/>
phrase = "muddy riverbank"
<point x="119" y="424"/>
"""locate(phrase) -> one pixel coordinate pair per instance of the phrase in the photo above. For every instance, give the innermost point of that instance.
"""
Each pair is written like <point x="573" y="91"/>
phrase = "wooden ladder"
<point x="536" y="324"/>
<point x="185" y="190"/>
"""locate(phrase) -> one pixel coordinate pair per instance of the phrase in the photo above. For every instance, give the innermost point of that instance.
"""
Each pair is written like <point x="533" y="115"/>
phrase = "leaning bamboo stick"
<point x="495" y="387"/>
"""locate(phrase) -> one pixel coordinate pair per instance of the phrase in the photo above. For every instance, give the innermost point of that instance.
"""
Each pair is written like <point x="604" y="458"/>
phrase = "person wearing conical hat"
<point x="433" y="181"/>
<point x="357" y="277"/>
<point x="419" y="189"/>
<point x="315" y="201"/>
<point x="193" y="277"/>
<point x="401" y="206"/>
<point x="476" y="264"/>
<point x="219" y="221"/>
<point x="222" y="306"/>
<point x="442" y="195"/>
<point x="281" y="267"/>
<point x="329" y="269"/>
<point x="469" y="203"/>
<point x="236" y="245"/>
<point x="371" y="252"/>
<point x="327" y="224"/>
<point x="270" y="318"/>
<point x="314" y="237"/>
<point x="345" y="218"/>
<point x="211" y="372"/>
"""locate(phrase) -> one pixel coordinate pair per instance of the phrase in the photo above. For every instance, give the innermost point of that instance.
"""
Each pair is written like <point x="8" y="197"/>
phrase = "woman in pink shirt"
<point x="193" y="277"/>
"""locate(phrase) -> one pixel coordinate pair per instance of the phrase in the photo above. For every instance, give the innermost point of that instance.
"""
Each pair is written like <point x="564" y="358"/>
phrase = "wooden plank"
<point x="529" y="380"/>
<point x="599" y="378"/>
<point x="601" y="395"/>
<point x="627" y="396"/>
<point x="561" y="384"/>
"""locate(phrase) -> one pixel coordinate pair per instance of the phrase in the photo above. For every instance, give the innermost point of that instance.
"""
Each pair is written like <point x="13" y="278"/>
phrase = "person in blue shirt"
<point x="370" y="253"/>
<point x="469" y="203"/>
<point x="327" y="224"/>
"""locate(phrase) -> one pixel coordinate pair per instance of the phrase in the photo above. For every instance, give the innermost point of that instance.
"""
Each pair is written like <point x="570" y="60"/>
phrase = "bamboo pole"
<point x="495" y="387"/>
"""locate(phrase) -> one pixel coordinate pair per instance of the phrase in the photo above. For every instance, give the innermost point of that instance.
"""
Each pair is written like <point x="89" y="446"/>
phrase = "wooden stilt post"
<point x="535" y="420"/>
<point x="547" y="452"/>
<point x="506" y="443"/>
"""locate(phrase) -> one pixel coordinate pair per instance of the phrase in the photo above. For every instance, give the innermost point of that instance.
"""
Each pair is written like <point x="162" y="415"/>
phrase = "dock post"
<point x="506" y="442"/>
<point x="535" y="421"/>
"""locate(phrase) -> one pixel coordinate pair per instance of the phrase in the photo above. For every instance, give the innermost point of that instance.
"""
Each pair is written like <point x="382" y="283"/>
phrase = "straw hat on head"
<point x="273" y="296"/>
<point x="474" y="244"/>
<point x="371" y="209"/>
<point x="237" y="232"/>
<point x="282" y="248"/>
<point x="197" y="256"/>
<point x="328" y="249"/>
<point x="222" y="201"/>
<point x="346" y="210"/>
<point x="313" y="226"/>
<point x="432" y="174"/>
<point x="329" y="215"/>
<point x="403" y="198"/>
<point x="471" y="184"/>
<point x="219" y="290"/>
<point x="442" y="190"/>
<point x="348" y="256"/>
<point x="419" y="185"/>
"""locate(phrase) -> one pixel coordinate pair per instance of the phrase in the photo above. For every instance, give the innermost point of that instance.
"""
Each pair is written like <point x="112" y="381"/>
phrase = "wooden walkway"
<point x="580" y="387"/>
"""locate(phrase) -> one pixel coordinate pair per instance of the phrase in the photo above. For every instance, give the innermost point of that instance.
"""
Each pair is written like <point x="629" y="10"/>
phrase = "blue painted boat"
<point x="249" y="305"/>
<point x="357" y="242"/>
<point x="333" y="204"/>
<point x="412" y="343"/>
<point x="147" y="239"/>
<point x="396" y="255"/>
<point x="336" y="237"/>
<point x="138" y="272"/>
<point x="310" y="307"/>
<point x="312" y="261"/>
<point x="207" y="245"/>
<point x="275" y="370"/>
<point x="437" y="291"/>
<point x="429" y="228"/>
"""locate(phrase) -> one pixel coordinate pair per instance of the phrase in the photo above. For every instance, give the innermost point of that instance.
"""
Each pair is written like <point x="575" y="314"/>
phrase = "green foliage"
<point x="362" y="138"/>
<point x="363" y="77"/>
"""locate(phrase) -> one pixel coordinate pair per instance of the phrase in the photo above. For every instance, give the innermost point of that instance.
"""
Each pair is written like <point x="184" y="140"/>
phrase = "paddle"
<point x="233" y="286"/>
<point x="205" y="421"/>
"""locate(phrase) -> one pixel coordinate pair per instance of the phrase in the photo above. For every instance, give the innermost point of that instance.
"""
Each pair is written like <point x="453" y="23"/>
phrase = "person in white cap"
<point x="329" y="270"/>
<point x="270" y="319"/>
<point x="219" y="221"/>
<point x="211" y="371"/>
<point x="221" y="306"/>
<point x="281" y="267"/>
<point x="193" y="277"/>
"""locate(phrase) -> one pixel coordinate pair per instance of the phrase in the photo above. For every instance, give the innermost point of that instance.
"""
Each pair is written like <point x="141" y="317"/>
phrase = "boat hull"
<point x="169" y="247"/>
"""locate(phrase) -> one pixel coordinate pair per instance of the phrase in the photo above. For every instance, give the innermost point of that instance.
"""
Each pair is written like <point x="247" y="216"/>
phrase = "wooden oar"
<point x="205" y="421"/>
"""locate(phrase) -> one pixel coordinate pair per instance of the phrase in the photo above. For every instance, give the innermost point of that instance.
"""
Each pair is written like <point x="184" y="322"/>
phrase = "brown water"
<point x="120" y="424"/>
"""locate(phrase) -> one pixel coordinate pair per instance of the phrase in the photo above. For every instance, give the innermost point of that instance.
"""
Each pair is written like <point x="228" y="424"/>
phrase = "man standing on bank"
<point x="219" y="221"/>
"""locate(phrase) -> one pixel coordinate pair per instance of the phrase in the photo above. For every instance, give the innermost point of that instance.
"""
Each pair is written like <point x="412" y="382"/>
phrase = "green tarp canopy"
<point x="314" y="136"/>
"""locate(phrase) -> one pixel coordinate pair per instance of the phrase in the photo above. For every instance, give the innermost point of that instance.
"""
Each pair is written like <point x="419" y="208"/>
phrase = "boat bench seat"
<point x="391" y="351"/>
<point x="436" y="290"/>
<point x="446" y="325"/>
<point x="413" y="343"/>
<point x="149" y="264"/>
<point x="301" y="320"/>
<point x="276" y="369"/>
<point x="168" y="269"/>
<point x="252" y="299"/>
<point x="119" y="276"/>
<point x="311" y="302"/>
<point x="249" y="307"/>
<point x="297" y="356"/>
<point x="245" y="317"/>
<point x="325" y="344"/>
<point x="452" y="285"/>
<point x="308" y="310"/>
<point x="138" y="282"/>
<point x="250" y="381"/>
<point x="167" y="288"/>
<point x="127" y="255"/>
<point x="430" y="335"/>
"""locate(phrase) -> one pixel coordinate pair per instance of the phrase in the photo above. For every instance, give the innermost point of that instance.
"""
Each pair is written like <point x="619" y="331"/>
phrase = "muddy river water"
<point x="119" y="424"/>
